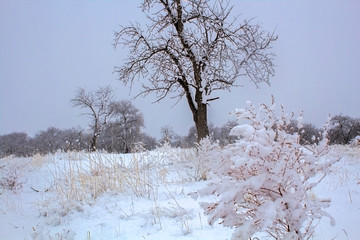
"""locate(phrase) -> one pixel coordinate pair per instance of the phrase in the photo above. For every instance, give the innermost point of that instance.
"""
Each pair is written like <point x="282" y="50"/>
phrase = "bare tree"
<point x="342" y="129"/>
<point x="125" y="128"/>
<point x="48" y="141"/>
<point x="72" y="139"/>
<point x="149" y="143"/>
<point x="17" y="143"/>
<point x="308" y="133"/>
<point x="98" y="104"/>
<point x="193" y="48"/>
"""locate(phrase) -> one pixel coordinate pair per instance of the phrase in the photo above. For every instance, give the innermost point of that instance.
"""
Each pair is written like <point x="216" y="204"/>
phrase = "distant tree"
<point x="191" y="137"/>
<point x="47" y="141"/>
<point x="44" y="142"/>
<point x="168" y="135"/>
<point x="17" y="144"/>
<point x="308" y="133"/>
<point x="85" y="140"/>
<point x="72" y="139"/>
<point x="193" y="48"/>
<point x="224" y="135"/>
<point x="99" y="108"/>
<point x="108" y="139"/>
<point x="218" y="134"/>
<point x="149" y="143"/>
<point x="342" y="129"/>
<point x="125" y="127"/>
<point x="214" y="132"/>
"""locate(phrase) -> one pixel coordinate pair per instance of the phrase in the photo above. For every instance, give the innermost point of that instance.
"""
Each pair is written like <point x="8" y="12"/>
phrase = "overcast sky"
<point x="50" y="48"/>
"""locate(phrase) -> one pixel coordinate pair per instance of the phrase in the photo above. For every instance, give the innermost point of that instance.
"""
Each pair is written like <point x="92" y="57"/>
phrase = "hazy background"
<point x="50" y="48"/>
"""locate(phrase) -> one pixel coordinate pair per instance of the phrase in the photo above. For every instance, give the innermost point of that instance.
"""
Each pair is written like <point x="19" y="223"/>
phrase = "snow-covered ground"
<point x="151" y="195"/>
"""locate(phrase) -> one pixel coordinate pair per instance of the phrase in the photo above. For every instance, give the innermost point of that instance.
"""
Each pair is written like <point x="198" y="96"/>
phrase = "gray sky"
<point x="50" y="48"/>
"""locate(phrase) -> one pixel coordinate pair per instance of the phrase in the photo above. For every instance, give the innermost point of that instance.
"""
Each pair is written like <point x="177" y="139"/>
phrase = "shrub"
<point x="11" y="179"/>
<point x="264" y="181"/>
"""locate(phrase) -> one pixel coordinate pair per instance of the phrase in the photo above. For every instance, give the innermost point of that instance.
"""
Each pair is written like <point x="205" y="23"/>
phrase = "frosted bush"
<point x="201" y="162"/>
<point x="264" y="181"/>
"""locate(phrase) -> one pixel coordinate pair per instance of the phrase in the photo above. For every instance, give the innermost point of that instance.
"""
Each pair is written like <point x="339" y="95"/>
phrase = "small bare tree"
<point x="193" y="48"/>
<point x="125" y="128"/>
<point x="99" y="105"/>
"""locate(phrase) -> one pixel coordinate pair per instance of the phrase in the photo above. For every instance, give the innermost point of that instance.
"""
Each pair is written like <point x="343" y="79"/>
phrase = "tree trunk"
<point x="201" y="122"/>
<point x="95" y="135"/>
<point x="199" y="111"/>
<point x="93" y="143"/>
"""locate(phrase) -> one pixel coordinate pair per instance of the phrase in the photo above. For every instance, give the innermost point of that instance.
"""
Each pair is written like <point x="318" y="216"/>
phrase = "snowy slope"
<point x="142" y="196"/>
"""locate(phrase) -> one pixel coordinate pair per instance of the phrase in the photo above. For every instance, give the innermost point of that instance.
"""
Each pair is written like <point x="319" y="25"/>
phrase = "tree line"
<point x="115" y="138"/>
<point x="117" y="127"/>
<point x="114" y="126"/>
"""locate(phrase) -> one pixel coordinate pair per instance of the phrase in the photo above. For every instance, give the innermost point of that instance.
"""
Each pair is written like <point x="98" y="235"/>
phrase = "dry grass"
<point x="39" y="160"/>
<point x="344" y="173"/>
<point x="84" y="180"/>
<point x="83" y="177"/>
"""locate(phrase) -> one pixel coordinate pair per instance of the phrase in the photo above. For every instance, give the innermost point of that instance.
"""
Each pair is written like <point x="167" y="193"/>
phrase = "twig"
<point x="35" y="189"/>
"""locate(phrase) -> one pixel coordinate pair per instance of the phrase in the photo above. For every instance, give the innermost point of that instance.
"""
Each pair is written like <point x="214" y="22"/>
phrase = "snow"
<point x="38" y="205"/>
<point x="356" y="141"/>
<point x="246" y="131"/>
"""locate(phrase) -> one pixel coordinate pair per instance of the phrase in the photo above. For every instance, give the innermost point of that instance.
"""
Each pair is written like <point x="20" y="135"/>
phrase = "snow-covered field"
<point x="151" y="195"/>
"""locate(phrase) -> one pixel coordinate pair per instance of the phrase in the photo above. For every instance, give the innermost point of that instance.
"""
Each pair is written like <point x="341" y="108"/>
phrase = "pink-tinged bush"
<point x="264" y="181"/>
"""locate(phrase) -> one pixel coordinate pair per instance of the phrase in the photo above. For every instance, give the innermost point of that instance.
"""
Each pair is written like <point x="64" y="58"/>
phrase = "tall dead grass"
<point x="82" y="177"/>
